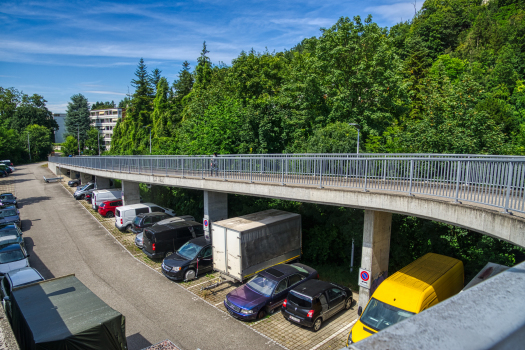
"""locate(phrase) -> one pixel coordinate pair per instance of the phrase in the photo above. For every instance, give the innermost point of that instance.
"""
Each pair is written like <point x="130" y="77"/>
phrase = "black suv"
<point x="163" y="240"/>
<point x="142" y="221"/>
<point x="313" y="302"/>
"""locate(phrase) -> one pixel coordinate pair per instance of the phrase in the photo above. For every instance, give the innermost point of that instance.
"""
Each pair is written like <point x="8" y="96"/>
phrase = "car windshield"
<point x="103" y="205"/>
<point x="10" y="256"/>
<point x="7" y="212"/>
<point x="299" y="299"/>
<point x="81" y="187"/>
<point x="7" y="196"/>
<point x="262" y="285"/>
<point x="379" y="315"/>
<point x="136" y="221"/>
<point x="9" y="232"/>
<point x="189" y="250"/>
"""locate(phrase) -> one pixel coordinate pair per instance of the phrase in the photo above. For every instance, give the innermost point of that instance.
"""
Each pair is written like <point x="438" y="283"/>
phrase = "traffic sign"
<point x="364" y="278"/>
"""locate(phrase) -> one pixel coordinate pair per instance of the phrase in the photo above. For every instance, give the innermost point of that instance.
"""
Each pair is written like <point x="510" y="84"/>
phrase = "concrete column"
<point x="85" y="178"/>
<point x="215" y="207"/>
<point x="376" y="250"/>
<point x="102" y="182"/>
<point x="62" y="172"/>
<point x="52" y="167"/>
<point x="130" y="192"/>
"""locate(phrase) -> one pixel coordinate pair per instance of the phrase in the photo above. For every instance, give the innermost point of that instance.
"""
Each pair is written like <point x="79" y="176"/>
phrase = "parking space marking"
<point x="333" y="335"/>
<point x="195" y="285"/>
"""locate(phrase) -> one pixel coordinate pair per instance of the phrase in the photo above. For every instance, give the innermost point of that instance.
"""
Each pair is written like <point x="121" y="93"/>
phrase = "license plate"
<point x="295" y="319"/>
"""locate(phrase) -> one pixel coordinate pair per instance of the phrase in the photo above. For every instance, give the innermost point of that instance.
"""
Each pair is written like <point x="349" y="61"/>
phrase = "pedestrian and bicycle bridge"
<point x="481" y="193"/>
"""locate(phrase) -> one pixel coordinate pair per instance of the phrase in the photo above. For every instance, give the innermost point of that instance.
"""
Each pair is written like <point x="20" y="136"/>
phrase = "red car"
<point x="107" y="209"/>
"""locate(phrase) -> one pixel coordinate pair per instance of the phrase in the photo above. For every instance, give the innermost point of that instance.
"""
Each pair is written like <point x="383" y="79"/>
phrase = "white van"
<point x="100" y="196"/>
<point x="124" y="215"/>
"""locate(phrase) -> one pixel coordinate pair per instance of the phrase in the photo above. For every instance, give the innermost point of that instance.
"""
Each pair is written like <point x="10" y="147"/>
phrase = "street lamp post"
<point x="358" y="127"/>
<point x="149" y="127"/>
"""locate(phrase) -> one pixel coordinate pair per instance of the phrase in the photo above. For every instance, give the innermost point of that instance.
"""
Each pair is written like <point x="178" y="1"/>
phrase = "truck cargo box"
<point x="62" y="313"/>
<point x="245" y="245"/>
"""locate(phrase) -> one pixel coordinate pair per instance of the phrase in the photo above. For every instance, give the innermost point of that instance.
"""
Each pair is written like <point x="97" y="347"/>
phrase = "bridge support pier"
<point x="215" y="206"/>
<point x="61" y="171"/>
<point x="85" y="178"/>
<point x="376" y="250"/>
<point x="130" y="193"/>
<point x="74" y="175"/>
<point x="102" y="182"/>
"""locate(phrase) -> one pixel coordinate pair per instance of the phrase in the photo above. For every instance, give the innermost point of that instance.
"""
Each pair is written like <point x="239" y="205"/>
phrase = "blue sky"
<point x="60" y="48"/>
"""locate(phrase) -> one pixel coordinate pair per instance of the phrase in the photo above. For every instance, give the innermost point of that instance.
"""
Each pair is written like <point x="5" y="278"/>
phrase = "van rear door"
<point x="233" y="243"/>
<point x="219" y="248"/>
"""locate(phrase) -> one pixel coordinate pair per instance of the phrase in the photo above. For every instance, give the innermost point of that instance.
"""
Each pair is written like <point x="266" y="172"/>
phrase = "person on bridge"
<point x="214" y="164"/>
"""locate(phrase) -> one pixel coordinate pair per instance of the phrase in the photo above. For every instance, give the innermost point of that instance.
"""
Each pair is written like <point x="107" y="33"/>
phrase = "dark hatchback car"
<point x="266" y="291"/>
<point x="75" y="182"/>
<point x="161" y="241"/>
<point x="8" y="198"/>
<point x="194" y="258"/>
<point x="8" y="216"/>
<point x="142" y="221"/>
<point x="314" y="302"/>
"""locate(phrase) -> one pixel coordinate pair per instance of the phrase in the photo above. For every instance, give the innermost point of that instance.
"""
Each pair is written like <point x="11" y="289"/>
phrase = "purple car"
<point x="266" y="291"/>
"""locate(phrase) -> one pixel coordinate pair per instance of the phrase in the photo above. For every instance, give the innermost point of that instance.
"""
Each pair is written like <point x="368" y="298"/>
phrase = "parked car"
<point x="107" y="209"/>
<point x="6" y="168"/>
<point x="139" y="239"/>
<point x="142" y="221"/>
<point x="125" y="215"/>
<point x="163" y="240"/>
<point x="81" y="191"/>
<point x="101" y="196"/>
<point x="75" y="182"/>
<point x="313" y="302"/>
<point x="3" y="173"/>
<point x="12" y="257"/>
<point x="10" y="215"/>
<point x="10" y="233"/>
<point x="267" y="290"/>
<point x="194" y="258"/>
<point x="175" y="219"/>
<point x="8" y="198"/>
<point x="14" y="279"/>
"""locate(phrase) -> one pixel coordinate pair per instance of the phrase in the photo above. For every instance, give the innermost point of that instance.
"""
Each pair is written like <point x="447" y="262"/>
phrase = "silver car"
<point x="12" y="257"/>
<point x="81" y="191"/>
<point x="17" y="278"/>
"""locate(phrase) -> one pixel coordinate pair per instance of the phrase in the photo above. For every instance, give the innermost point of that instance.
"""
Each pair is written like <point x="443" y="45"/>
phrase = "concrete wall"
<point x="102" y="182"/>
<point x="130" y="193"/>
<point x="85" y="178"/>
<point x="483" y="219"/>
<point x="215" y="207"/>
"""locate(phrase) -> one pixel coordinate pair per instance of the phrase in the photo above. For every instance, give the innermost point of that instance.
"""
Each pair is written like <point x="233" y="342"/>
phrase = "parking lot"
<point x="274" y="327"/>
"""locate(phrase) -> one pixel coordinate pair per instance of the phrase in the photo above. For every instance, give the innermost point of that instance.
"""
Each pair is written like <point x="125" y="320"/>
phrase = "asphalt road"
<point x="63" y="238"/>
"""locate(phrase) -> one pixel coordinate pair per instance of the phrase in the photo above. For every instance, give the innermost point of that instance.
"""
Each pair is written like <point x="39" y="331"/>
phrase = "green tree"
<point x="10" y="145"/>
<point x="77" y="118"/>
<point x="94" y="139"/>
<point x="9" y="100"/>
<point x="102" y="105"/>
<point x="203" y="69"/>
<point x="30" y="111"/>
<point x="334" y="138"/>
<point x="155" y="77"/>
<point x="70" y="147"/>
<point x="40" y="140"/>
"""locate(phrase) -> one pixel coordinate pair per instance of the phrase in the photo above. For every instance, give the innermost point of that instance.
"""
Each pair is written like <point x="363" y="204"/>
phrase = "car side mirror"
<point x="359" y="310"/>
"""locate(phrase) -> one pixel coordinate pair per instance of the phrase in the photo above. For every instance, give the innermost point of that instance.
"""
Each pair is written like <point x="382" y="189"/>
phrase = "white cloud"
<point x="395" y="12"/>
<point x="105" y="92"/>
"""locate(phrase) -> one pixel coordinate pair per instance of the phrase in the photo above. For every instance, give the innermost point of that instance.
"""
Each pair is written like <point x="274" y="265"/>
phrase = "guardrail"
<point x="490" y="180"/>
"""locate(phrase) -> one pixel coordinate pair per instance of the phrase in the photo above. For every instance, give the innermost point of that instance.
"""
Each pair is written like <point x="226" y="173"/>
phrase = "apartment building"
<point x="106" y="120"/>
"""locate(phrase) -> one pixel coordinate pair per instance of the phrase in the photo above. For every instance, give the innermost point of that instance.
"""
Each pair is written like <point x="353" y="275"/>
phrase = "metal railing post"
<point x="509" y="182"/>
<point x="366" y="175"/>
<point x="458" y="175"/>
<point x="182" y="166"/>
<point x="411" y="177"/>
<point x="251" y="178"/>
<point x="282" y="172"/>
<point x="321" y="174"/>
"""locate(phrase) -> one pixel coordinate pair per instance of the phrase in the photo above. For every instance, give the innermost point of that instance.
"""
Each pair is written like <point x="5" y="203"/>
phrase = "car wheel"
<point x="189" y="275"/>
<point x="168" y="253"/>
<point x="261" y="314"/>
<point x="109" y="214"/>
<point x="317" y="324"/>
<point x="82" y="196"/>
<point x="348" y="303"/>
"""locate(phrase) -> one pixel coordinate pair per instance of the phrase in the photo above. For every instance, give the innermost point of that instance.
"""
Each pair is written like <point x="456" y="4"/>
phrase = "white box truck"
<point x="245" y="245"/>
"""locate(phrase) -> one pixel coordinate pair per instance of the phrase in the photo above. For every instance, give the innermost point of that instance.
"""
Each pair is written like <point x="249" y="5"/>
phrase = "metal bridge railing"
<point x="490" y="180"/>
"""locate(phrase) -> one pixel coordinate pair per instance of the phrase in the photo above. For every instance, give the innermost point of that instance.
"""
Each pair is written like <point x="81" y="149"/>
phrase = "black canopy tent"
<point x="62" y="313"/>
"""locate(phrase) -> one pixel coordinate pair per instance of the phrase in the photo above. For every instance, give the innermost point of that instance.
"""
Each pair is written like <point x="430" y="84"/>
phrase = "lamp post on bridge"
<point x="358" y="127"/>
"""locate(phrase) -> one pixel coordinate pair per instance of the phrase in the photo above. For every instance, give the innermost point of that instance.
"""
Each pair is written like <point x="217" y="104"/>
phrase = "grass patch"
<point x="339" y="274"/>
<point x="44" y="165"/>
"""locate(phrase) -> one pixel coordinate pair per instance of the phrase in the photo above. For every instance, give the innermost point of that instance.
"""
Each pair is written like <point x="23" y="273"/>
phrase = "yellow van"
<point x="416" y="287"/>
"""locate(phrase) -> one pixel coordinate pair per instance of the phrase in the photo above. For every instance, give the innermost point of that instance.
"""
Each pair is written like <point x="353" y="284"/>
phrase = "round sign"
<point x="364" y="276"/>
<point x="206" y="223"/>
